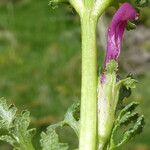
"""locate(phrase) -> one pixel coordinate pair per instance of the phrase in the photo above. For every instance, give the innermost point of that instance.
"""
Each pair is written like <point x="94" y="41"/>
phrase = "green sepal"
<point x="111" y="67"/>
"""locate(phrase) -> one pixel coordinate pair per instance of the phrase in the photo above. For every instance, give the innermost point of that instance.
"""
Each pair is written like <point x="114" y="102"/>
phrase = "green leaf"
<point x="50" y="140"/>
<point x="136" y="129"/>
<point x="142" y="3"/>
<point x="20" y="130"/>
<point x="128" y="118"/>
<point x="18" y="135"/>
<point x="54" y="3"/>
<point x="8" y="139"/>
<point x="131" y="26"/>
<point x="129" y="108"/>
<point x="125" y="117"/>
<point x="129" y="83"/>
<point x="72" y="117"/>
<point x="7" y="114"/>
<point x="124" y="93"/>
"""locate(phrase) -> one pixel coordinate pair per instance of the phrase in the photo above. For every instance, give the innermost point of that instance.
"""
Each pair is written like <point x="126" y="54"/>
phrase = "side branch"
<point x="77" y="5"/>
<point x="100" y="6"/>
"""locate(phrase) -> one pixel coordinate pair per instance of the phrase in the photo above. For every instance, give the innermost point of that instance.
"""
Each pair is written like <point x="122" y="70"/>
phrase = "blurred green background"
<point x="40" y="63"/>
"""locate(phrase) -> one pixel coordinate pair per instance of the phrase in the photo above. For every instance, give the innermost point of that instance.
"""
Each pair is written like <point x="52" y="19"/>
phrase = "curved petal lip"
<point x="116" y="29"/>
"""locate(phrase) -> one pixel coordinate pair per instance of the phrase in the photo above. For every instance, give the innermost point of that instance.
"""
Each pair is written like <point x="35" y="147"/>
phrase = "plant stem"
<point x="88" y="124"/>
<point x="88" y="3"/>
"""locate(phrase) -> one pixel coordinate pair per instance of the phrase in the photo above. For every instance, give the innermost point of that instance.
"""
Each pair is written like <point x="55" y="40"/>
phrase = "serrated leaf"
<point x="7" y="114"/>
<point x="18" y="135"/>
<point x="50" y="140"/>
<point x="129" y="108"/>
<point x="124" y="93"/>
<point x="21" y="123"/>
<point x="128" y="83"/>
<point x="136" y="129"/>
<point x="20" y="130"/>
<point x="7" y="139"/>
<point x="72" y="117"/>
<point x="125" y="117"/>
<point x="125" y="89"/>
<point x="128" y="118"/>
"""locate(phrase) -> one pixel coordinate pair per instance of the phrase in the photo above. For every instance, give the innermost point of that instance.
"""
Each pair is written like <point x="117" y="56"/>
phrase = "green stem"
<point x="88" y="124"/>
<point x="88" y="3"/>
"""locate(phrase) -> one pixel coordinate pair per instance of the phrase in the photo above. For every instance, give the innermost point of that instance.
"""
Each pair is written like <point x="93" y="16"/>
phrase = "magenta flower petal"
<point x="116" y="29"/>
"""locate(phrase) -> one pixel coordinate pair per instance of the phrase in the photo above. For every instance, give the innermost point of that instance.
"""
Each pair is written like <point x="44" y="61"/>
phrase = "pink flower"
<point x="116" y="29"/>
